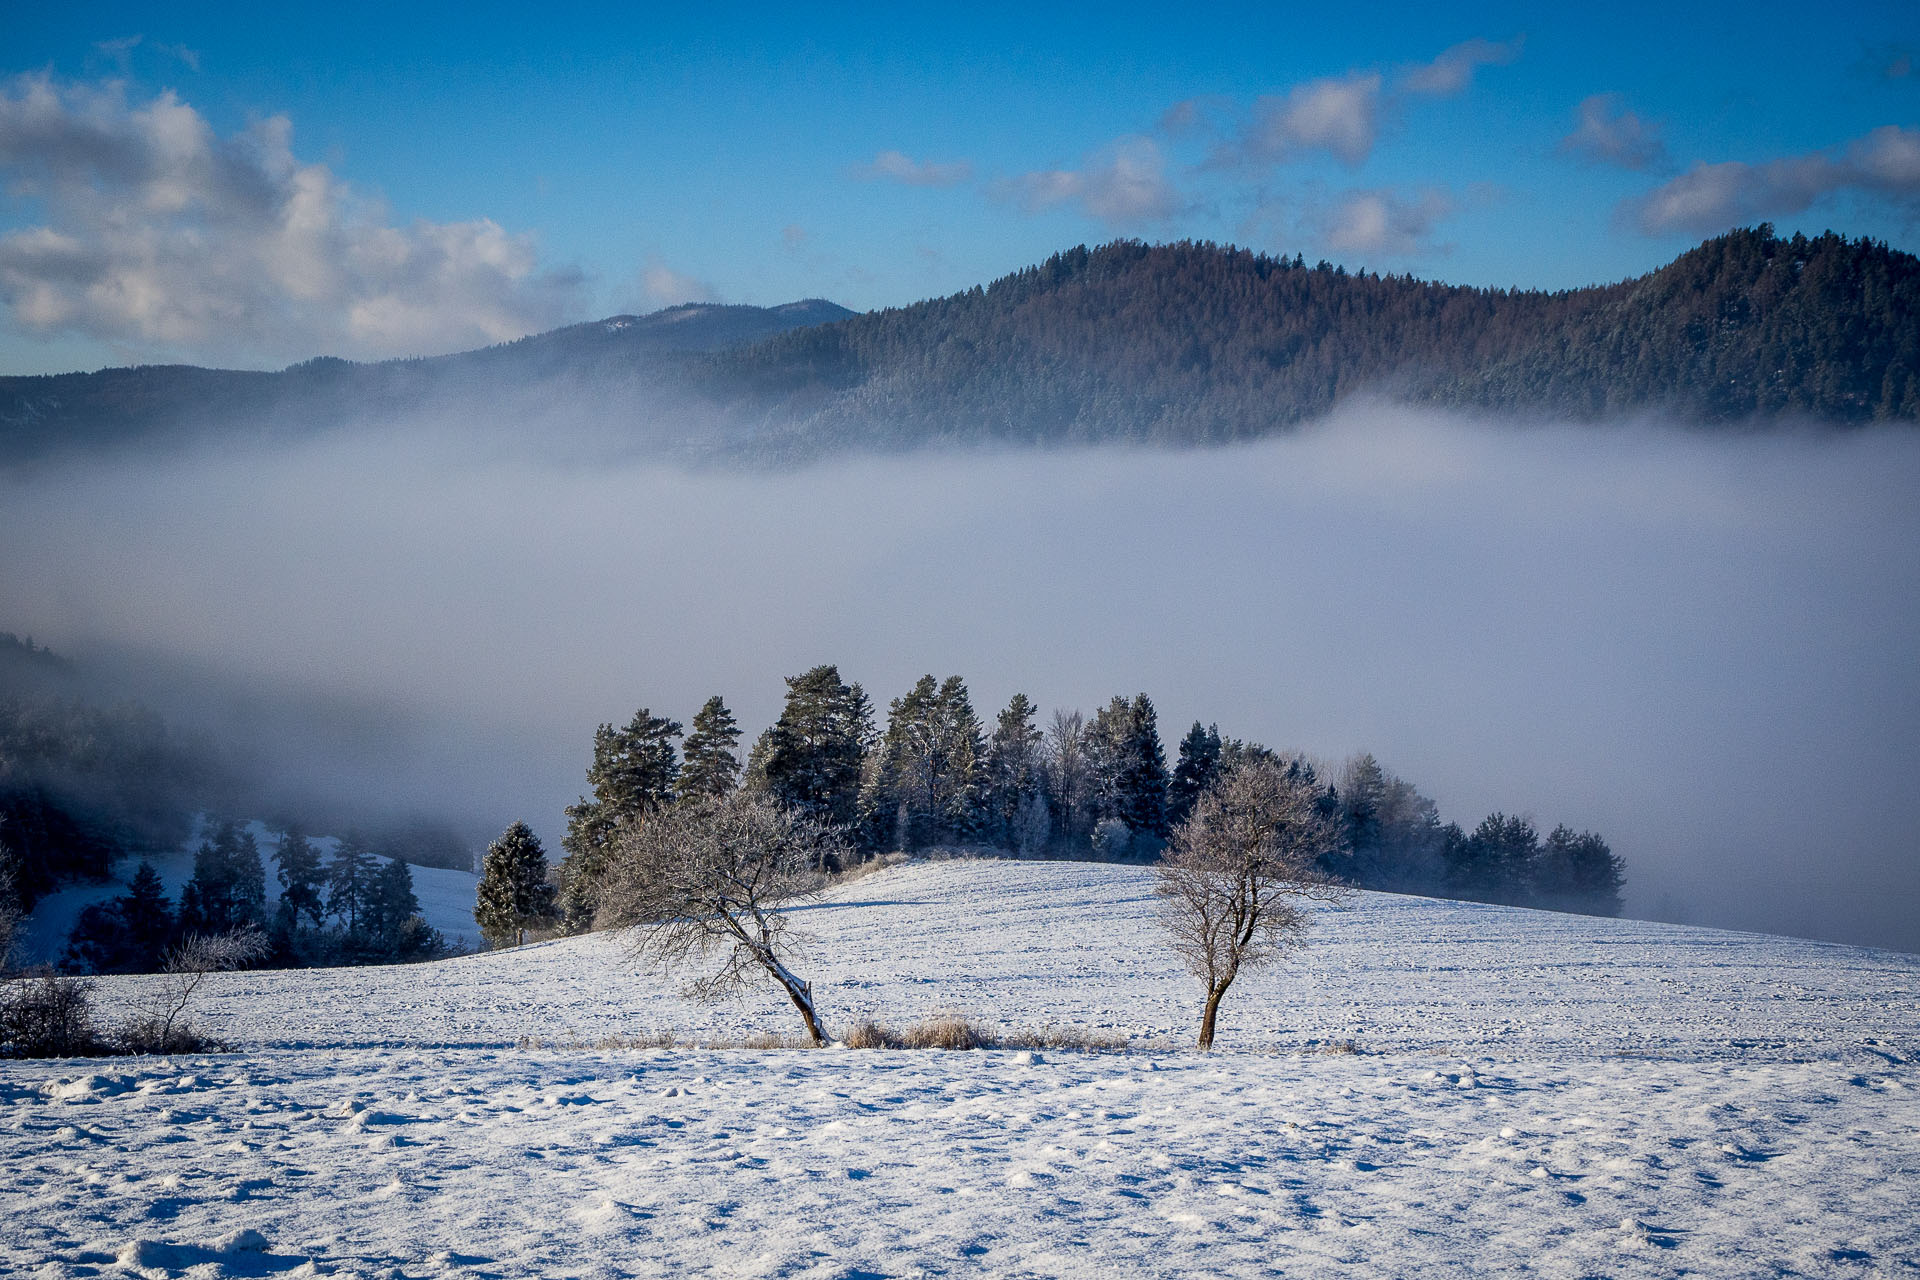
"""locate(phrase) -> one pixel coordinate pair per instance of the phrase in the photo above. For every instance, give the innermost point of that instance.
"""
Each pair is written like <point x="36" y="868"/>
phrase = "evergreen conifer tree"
<point x="632" y="775"/>
<point x="302" y="881"/>
<point x="814" y="751"/>
<point x="1198" y="766"/>
<point x="515" y="894"/>
<point x="709" y="768"/>
<point x="1012" y="775"/>
<point x="350" y="882"/>
<point x="229" y="885"/>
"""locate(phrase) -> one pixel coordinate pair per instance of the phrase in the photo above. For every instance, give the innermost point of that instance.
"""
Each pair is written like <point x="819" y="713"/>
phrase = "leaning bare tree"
<point x="1232" y="883"/>
<point x="711" y="875"/>
<point x="186" y="969"/>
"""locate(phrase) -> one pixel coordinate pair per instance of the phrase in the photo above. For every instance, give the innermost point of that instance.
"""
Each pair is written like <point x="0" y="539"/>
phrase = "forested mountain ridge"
<point x="1177" y="344"/>
<point x="1193" y="343"/>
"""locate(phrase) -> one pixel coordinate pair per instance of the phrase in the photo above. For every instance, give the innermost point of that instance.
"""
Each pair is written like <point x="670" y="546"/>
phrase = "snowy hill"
<point x="1530" y="1092"/>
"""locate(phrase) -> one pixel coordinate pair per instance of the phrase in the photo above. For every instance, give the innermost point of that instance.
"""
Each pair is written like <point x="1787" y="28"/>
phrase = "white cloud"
<point x="1608" y="133"/>
<point x="1126" y="183"/>
<point x="1712" y="197"/>
<point x="897" y="166"/>
<point x="1340" y="116"/>
<point x="166" y="240"/>
<point x="1383" y="222"/>
<point x="1453" y="70"/>
<point x="662" y="286"/>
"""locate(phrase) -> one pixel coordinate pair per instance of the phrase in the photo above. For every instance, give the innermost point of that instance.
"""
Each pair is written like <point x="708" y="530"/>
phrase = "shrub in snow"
<point x="48" y="1016"/>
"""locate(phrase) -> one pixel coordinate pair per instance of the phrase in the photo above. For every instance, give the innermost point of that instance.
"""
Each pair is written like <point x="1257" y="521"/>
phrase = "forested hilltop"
<point x="1179" y="344"/>
<point x="1193" y="343"/>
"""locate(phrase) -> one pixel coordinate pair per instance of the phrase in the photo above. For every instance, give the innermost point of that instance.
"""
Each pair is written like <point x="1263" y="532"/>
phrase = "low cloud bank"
<point x="1698" y="645"/>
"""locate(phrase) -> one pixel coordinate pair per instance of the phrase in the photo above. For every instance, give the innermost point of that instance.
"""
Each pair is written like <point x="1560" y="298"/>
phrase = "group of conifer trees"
<point x="352" y="908"/>
<point x="936" y="776"/>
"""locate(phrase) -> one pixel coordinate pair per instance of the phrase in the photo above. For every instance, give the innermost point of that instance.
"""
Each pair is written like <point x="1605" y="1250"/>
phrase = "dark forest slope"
<point x="1193" y="343"/>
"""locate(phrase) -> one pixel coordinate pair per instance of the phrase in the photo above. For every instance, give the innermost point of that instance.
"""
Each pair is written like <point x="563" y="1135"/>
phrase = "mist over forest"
<point x="1697" y="644"/>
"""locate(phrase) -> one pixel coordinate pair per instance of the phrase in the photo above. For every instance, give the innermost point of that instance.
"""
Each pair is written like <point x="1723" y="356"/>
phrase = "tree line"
<point x="350" y="908"/>
<point x="935" y="775"/>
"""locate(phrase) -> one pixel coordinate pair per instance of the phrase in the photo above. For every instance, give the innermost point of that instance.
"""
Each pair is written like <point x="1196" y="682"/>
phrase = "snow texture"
<point x="1531" y="1093"/>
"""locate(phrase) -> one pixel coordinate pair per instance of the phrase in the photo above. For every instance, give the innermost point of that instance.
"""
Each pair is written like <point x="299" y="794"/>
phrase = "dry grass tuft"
<point x="945" y="1031"/>
<point x="1055" y="1036"/>
<point x="868" y="1034"/>
<point x="645" y="1040"/>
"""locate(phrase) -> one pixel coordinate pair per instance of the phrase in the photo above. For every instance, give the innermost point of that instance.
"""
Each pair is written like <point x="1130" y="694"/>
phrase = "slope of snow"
<point x="1532" y="1093"/>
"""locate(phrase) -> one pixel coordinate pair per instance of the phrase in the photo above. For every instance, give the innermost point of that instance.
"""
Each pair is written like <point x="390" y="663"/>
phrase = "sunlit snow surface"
<point x="1533" y="1093"/>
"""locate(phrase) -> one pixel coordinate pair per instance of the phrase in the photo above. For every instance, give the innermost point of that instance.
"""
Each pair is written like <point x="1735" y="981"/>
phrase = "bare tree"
<point x="187" y="968"/>
<point x="1232" y="884"/>
<point x="711" y="875"/>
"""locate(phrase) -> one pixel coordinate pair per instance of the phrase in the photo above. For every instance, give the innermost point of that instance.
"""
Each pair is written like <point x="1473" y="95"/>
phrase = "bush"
<point x="948" y="1031"/>
<point x="49" y="1016"/>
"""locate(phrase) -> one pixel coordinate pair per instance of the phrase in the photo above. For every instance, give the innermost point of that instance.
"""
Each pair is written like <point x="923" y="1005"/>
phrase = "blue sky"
<point x="243" y="186"/>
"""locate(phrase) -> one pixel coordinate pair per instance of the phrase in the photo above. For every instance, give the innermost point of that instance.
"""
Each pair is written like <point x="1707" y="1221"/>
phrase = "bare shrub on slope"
<point x="710" y="876"/>
<point x="1231" y="884"/>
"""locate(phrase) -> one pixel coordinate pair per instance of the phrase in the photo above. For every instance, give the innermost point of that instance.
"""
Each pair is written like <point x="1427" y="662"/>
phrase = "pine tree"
<point x="229" y="886"/>
<point x="1199" y="765"/>
<point x="814" y="751"/>
<point x="302" y="880"/>
<point x="709" y="767"/>
<point x="1128" y="767"/>
<point x="1579" y="873"/>
<point x="128" y="934"/>
<point x="350" y="882"/>
<point x="1012" y="776"/>
<point x="515" y="894"/>
<point x="632" y="775"/>
<point x="147" y="917"/>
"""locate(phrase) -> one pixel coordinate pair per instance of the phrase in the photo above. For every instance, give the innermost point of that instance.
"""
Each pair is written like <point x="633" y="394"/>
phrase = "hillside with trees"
<point x="1174" y="345"/>
<point x="933" y="777"/>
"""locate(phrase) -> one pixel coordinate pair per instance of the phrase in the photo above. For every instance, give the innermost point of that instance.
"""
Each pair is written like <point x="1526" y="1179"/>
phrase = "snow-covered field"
<point x="1531" y="1093"/>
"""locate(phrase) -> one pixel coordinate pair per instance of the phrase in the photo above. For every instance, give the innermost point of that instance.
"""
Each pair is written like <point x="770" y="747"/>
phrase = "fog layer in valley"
<point x="1702" y="647"/>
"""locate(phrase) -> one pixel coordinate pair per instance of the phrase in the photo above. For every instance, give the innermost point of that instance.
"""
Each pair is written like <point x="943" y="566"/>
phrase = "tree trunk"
<point x="801" y="993"/>
<point x="1214" y="995"/>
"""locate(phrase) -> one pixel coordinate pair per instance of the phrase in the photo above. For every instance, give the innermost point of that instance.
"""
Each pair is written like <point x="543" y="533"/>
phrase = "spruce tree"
<point x="814" y="751"/>
<point x="515" y="894"/>
<point x="1199" y="765"/>
<point x="709" y="768"/>
<point x="302" y="881"/>
<point x="1012" y="775"/>
<point x="632" y="775"/>
<point x="147" y="917"/>
<point x="229" y="886"/>
<point x="350" y="882"/>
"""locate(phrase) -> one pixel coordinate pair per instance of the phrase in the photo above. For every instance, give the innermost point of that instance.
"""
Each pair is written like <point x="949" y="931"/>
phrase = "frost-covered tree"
<point x="515" y="894"/>
<point x="1238" y="868"/>
<point x="1011" y="778"/>
<point x="711" y="876"/>
<point x="708" y="766"/>
<point x="810" y="759"/>
<point x="1068" y="778"/>
<point x="928" y="773"/>
<point x="633" y="773"/>
<point x="1128" y="768"/>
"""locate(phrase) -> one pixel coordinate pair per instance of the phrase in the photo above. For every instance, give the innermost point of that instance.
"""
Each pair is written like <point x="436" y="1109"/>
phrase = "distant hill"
<point x="62" y="412"/>
<point x="1193" y="343"/>
<point x="1179" y="344"/>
